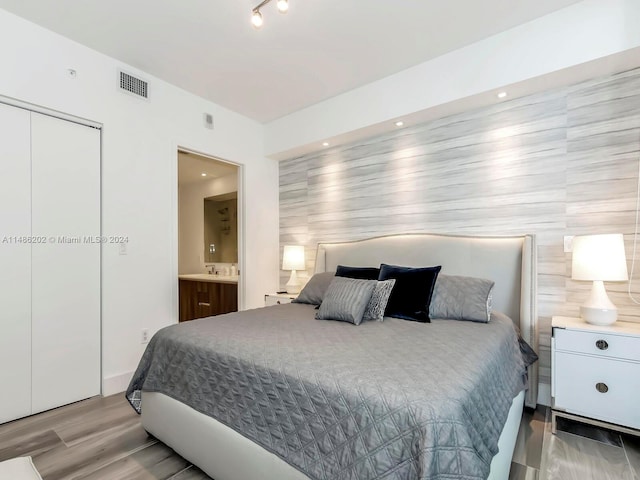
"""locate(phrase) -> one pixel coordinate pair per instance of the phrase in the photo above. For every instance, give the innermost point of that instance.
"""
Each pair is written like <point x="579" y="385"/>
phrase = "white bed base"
<point x="225" y="454"/>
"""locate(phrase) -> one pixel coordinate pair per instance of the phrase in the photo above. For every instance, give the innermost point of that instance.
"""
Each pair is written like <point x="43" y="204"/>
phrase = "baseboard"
<point x="544" y="394"/>
<point x="116" y="383"/>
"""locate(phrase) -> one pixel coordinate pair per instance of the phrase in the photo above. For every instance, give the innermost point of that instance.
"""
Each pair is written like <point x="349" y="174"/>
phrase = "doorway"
<point x="209" y="233"/>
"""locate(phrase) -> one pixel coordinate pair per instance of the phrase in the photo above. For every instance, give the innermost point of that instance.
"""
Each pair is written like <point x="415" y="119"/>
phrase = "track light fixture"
<point x="256" y="16"/>
<point x="256" y="19"/>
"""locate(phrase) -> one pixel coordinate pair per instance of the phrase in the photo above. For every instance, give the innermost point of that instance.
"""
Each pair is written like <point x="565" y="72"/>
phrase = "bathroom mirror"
<point x="221" y="228"/>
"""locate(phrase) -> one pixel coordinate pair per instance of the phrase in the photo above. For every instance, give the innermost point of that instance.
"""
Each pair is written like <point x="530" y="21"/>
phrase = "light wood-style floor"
<point x="102" y="439"/>
<point x="577" y="452"/>
<point x="97" y="439"/>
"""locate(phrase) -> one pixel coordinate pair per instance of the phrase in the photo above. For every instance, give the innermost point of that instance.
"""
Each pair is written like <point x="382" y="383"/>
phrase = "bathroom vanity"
<point x="204" y="295"/>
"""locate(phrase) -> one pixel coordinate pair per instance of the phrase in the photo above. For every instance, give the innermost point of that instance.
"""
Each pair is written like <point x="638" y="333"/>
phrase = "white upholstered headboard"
<point x="509" y="261"/>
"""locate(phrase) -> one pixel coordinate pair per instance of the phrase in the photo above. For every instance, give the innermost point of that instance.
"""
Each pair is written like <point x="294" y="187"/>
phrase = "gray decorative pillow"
<point x="315" y="289"/>
<point x="379" y="299"/>
<point x="462" y="298"/>
<point x="346" y="300"/>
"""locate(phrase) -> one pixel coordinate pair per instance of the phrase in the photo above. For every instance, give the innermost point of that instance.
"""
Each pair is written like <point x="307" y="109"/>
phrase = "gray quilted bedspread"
<point x="383" y="400"/>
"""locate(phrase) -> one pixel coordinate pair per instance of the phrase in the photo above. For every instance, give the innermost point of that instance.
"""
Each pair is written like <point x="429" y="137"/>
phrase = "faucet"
<point x="213" y="269"/>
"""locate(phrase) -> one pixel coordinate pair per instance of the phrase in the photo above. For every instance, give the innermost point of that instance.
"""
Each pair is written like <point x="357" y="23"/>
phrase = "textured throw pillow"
<point x="378" y="303"/>
<point x="379" y="299"/>
<point x="462" y="298"/>
<point x="411" y="295"/>
<point x="346" y="300"/>
<point x="364" y="273"/>
<point x="315" y="289"/>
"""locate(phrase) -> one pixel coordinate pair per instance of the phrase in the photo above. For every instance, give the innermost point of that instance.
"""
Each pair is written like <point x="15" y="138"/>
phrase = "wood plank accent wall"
<point x="563" y="162"/>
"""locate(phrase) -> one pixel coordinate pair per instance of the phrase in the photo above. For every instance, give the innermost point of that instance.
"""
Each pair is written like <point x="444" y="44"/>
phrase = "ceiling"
<point x="318" y="50"/>
<point x="192" y="166"/>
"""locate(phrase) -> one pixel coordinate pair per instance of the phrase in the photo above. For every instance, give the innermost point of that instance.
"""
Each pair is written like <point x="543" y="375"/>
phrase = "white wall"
<point x="573" y="36"/>
<point x="191" y="213"/>
<point x="139" y="179"/>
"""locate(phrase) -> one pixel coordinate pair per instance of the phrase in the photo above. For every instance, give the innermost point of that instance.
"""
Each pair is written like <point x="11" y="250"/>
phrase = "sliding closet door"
<point x="15" y="264"/>
<point x="66" y="269"/>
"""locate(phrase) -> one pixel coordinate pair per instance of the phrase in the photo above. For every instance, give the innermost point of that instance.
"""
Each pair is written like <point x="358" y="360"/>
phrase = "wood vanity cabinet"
<point x="205" y="299"/>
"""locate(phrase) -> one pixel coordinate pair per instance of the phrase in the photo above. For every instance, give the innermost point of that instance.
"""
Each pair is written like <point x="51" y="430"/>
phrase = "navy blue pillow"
<point x="411" y="295"/>
<point x="361" y="273"/>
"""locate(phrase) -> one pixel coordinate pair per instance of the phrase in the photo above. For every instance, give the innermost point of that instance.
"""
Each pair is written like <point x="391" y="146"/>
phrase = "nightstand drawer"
<point x="599" y="388"/>
<point x="601" y="344"/>
<point x="269" y="301"/>
<point x="277" y="299"/>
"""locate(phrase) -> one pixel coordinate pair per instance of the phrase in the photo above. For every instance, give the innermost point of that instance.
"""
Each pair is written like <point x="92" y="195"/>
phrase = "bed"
<point x="284" y="396"/>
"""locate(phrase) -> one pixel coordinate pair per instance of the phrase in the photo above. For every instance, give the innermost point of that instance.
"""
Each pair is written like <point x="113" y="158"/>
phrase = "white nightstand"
<point x="595" y="374"/>
<point x="277" y="298"/>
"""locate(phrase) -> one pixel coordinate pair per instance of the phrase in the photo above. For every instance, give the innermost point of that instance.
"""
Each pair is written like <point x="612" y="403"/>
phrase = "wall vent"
<point x="134" y="85"/>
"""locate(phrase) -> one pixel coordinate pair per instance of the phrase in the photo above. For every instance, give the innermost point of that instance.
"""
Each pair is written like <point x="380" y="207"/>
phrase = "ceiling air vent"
<point x="134" y="85"/>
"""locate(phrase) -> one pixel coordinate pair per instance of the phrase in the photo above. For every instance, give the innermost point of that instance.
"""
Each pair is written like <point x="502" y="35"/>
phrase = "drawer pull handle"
<point x="204" y="304"/>
<point x="602" y="344"/>
<point x="602" y="387"/>
<point x="278" y="302"/>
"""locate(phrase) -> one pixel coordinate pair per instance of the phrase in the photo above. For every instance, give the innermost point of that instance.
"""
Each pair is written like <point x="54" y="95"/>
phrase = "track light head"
<point x="256" y="18"/>
<point x="283" y="6"/>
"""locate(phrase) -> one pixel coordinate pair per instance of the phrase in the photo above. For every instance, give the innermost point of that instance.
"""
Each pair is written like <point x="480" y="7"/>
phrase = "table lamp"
<point x="599" y="258"/>
<point x="293" y="259"/>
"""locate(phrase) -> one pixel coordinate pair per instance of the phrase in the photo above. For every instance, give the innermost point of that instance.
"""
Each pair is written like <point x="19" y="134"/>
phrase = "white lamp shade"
<point x="599" y="257"/>
<point x="293" y="257"/>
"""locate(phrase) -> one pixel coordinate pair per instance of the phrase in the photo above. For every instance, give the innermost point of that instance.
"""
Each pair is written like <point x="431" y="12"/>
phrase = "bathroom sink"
<point x="207" y="277"/>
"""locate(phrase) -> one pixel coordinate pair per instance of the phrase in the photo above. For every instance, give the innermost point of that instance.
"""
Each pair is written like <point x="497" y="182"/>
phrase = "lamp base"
<point x="598" y="309"/>
<point x="293" y="285"/>
<point x="599" y="316"/>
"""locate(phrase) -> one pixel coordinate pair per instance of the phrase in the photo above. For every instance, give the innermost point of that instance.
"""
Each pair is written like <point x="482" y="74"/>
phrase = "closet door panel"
<point x="66" y="269"/>
<point x="15" y="262"/>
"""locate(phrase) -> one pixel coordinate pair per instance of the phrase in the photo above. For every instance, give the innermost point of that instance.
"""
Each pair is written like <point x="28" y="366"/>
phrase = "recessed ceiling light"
<point x="203" y="174"/>
<point x="399" y="123"/>
<point x="502" y="94"/>
<point x="325" y="144"/>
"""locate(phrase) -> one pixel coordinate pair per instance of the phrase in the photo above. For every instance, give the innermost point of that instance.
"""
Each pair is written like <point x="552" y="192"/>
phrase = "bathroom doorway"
<point x="209" y="233"/>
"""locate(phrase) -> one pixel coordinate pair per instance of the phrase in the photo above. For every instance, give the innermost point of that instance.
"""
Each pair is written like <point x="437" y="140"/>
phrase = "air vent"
<point x="134" y="85"/>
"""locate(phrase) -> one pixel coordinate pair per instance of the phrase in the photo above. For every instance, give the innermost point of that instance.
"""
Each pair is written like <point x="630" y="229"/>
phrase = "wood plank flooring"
<point x="97" y="439"/>
<point x="577" y="452"/>
<point x="580" y="452"/>
<point x="102" y="439"/>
